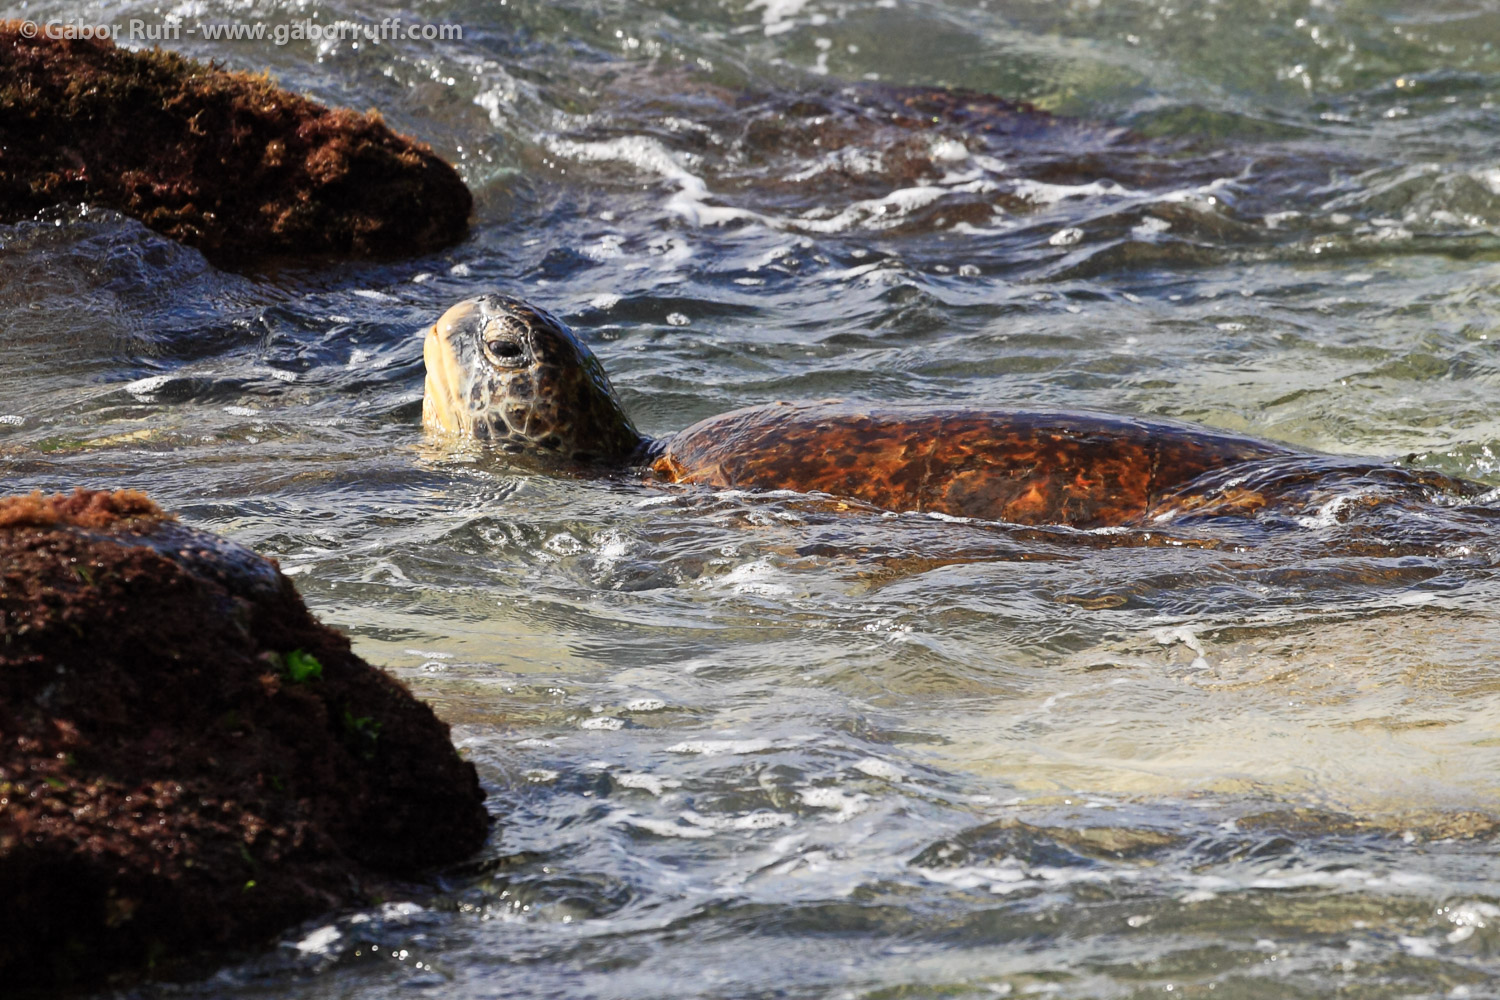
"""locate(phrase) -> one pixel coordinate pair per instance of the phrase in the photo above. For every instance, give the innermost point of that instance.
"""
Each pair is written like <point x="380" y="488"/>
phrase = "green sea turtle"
<point x="514" y="377"/>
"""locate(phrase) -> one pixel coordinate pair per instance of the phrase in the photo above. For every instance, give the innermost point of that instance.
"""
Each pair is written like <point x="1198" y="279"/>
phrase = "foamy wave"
<point x="650" y="156"/>
<point x="1043" y="194"/>
<point x="696" y="826"/>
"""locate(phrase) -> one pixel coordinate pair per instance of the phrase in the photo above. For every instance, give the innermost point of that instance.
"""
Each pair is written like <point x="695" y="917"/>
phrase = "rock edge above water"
<point x="176" y="781"/>
<point x="226" y="162"/>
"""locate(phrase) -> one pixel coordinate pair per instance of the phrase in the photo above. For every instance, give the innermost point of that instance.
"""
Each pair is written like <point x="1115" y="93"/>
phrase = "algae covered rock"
<point x="189" y="762"/>
<point x="226" y="162"/>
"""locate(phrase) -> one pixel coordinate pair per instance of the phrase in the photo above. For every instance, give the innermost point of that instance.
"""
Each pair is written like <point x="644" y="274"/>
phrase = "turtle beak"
<point x="443" y="408"/>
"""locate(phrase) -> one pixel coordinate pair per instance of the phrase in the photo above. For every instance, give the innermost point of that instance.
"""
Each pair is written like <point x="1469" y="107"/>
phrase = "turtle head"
<point x="510" y="375"/>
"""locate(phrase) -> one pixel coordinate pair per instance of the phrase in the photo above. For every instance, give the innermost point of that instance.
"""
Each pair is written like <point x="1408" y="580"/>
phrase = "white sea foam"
<point x="696" y="826"/>
<point x="144" y="387"/>
<point x="1489" y="177"/>
<point x="1189" y="638"/>
<point x="1012" y="876"/>
<point x="1201" y="193"/>
<point x="648" y="155"/>
<point x="320" y="941"/>
<point x="646" y="782"/>
<point x="1041" y="193"/>
<point x="692" y="199"/>
<point x="563" y="544"/>
<point x="1470" y="917"/>
<point x="498" y="100"/>
<point x="758" y="577"/>
<point x="1418" y="947"/>
<point x="844" y="805"/>
<point x="716" y="748"/>
<point x="887" y="211"/>
<point x="877" y="768"/>
<point x="1150" y="226"/>
<point x="851" y="159"/>
<point x="1328" y="514"/>
<point x="949" y="151"/>
<point x="774" y="12"/>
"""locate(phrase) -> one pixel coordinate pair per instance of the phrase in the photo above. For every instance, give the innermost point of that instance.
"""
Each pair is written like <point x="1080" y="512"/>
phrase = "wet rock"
<point x="1057" y="846"/>
<point x="226" y="162"/>
<point x="189" y="762"/>
<point x="1410" y="824"/>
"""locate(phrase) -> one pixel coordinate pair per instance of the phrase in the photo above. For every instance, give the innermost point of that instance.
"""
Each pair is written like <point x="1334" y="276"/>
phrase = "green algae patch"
<point x="301" y="666"/>
<point x="226" y="162"/>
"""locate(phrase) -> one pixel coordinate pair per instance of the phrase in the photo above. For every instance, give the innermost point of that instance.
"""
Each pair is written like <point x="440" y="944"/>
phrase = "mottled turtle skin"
<point x="515" y="378"/>
<point x="1000" y="465"/>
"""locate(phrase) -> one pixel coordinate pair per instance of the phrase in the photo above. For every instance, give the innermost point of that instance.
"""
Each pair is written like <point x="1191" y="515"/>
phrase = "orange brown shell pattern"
<point x="1026" y="468"/>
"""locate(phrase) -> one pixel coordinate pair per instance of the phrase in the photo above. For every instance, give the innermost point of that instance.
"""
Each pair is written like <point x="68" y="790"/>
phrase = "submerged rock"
<point x="226" y="162"/>
<point x="189" y="761"/>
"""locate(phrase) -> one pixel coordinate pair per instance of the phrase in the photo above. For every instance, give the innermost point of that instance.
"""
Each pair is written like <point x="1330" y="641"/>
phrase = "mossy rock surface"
<point x="170" y="790"/>
<point x="226" y="162"/>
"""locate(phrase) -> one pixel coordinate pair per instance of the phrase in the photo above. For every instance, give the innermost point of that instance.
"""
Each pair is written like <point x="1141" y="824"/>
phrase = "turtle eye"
<point x="505" y="341"/>
<point x="506" y="351"/>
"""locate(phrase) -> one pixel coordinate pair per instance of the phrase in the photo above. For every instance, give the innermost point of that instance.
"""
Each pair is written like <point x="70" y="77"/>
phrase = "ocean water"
<point x="745" y="745"/>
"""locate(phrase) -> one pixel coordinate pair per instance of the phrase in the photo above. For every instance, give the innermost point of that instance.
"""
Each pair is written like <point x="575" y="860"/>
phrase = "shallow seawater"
<point x="744" y="745"/>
